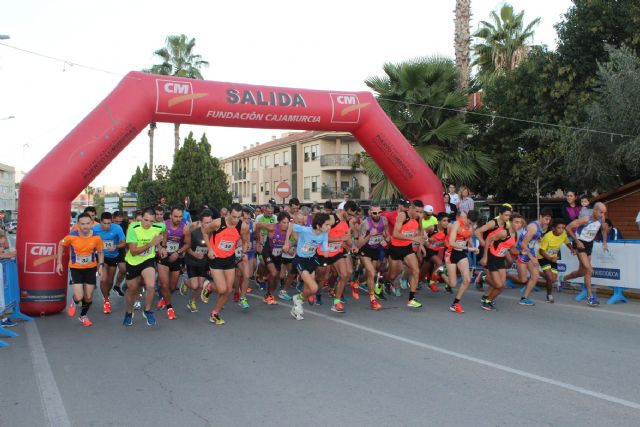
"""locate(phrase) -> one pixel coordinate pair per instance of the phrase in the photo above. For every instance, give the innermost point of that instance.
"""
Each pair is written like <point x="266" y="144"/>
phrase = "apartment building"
<point x="7" y="190"/>
<point x="317" y="165"/>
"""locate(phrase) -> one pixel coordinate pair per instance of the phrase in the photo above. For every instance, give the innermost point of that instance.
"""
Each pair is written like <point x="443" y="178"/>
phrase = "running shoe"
<point x="448" y="289"/>
<point x="354" y="290"/>
<point x="404" y="284"/>
<point x="433" y="286"/>
<point x="183" y="287"/>
<point x="311" y="300"/>
<point x="375" y="305"/>
<point x="396" y="291"/>
<point x="593" y="301"/>
<point x="118" y="290"/>
<point x="442" y="270"/>
<point x="236" y="296"/>
<point x="332" y="292"/>
<point x="128" y="319"/>
<point x="151" y="319"/>
<point x="337" y="306"/>
<point x="192" y="307"/>
<point x="171" y="314"/>
<point x="262" y="285"/>
<point x="8" y="323"/>
<point x="204" y="295"/>
<point x="318" y="298"/>
<point x="488" y="305"/>
<point x="296" y="315"/>
<point x="243" y="303"/>
<point x="137" y="305"/>
<point x="456" y="308"/>
<point x="71" y="310"/>
<point x="270" y="300"/>
<point x="387" y="288"/>
<point x="161" y="304"/>
<point x="106" y="307"/>
<point x="550" y="299"/>
<point x="283" y="295"/>
<point x="215" y="318"/>
<point x="414" y="303"/>
<point x="526" y="301"/>
<point x="379" y="292"/>
<point x="85" y="321"/>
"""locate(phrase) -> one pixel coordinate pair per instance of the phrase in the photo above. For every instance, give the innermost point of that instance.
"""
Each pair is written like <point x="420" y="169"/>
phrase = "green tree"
<point x="140" y="176"/>
<point x="601" y="161"/>
<point x="195" y="173"/>
<point x="178" y="59"/>
<point x="419" y="97"/>
<point x="149" y="193"/>
<point x="501" y="44"/>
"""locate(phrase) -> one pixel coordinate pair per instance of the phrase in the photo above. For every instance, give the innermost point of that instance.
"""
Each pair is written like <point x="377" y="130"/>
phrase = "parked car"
<point x="12" y="227"/>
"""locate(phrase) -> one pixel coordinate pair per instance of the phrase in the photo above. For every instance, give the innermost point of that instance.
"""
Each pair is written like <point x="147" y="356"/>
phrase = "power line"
<point x="63" y="61"/>
<point x="497" y="116"/>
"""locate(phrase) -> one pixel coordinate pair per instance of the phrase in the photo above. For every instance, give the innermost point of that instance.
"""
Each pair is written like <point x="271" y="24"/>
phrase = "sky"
<point x="328" y="45"/>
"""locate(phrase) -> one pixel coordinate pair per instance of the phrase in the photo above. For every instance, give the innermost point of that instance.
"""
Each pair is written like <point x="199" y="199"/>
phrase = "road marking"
<point x="504" y="368"/>
<point x="52" y="403"/>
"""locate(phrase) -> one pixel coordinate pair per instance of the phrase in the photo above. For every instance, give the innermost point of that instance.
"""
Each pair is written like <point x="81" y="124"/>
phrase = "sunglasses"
<point x="375" y="213"/>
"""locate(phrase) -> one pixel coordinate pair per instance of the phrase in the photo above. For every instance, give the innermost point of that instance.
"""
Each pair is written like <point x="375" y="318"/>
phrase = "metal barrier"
<point x="10" y="302"/>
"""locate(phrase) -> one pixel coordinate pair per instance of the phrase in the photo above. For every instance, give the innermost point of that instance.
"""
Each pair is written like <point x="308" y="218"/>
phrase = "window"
<point x="253" y="164"/>
<point x="344" y="185"/>
<point x="307" y="182"/>
<point x="267" y="161"/>
<point x="315" y="151"/>
<point x="261" y="162"/>
<point x="267" y="188"/>
<point x="285" y="157"/>
<point x="314" y="184"/>
<point x="275" y="186"/>
<point x="276" y="159"/>
<point x="307" y="154"/>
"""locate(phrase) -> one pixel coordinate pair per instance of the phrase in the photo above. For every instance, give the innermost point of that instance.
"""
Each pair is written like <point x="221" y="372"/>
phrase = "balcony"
<point x="332" y="194"/>
<point x="237" y="176"/>
<point x="339" y="161"/>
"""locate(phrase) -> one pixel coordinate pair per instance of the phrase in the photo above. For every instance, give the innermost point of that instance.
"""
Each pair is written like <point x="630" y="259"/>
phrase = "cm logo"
<point x="347" y="99"/>
<point x="42" y="250"/>
<point x="39" y="258"/>
<point x="345" y="107"/>
<point x="177" y="88"/>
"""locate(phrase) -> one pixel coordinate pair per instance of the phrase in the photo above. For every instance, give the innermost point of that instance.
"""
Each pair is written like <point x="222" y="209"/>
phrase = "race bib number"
<point x="408" y="233"/>
<point x="552" y="252"/>
<point x="239" y="252"/>
<point x="309" y="247"/>
<point x="226" y="245"/>
<point x="109" y="245"/>
<point x="201" y="250"/>
<point x="335" y="246"/>
<point x="276" y="251"/>
<point x="83" y="259"/>
<point x="375" y="240"/>
<point x="588" y="235"/>
<point x="172" y="246"/>
<point x="415" y="246"/>
<point x="146" y="253"/>
<point x="503" y="252"/>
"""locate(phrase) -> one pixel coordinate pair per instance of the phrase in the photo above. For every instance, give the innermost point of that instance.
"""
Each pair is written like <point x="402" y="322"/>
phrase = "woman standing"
<point x="449" y="208"/>
<point x="466" y="202"/>
<point x="571" y="209"/>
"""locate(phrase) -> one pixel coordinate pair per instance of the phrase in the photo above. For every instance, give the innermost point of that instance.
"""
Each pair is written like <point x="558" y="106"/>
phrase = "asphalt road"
<point x="564" y="364"/>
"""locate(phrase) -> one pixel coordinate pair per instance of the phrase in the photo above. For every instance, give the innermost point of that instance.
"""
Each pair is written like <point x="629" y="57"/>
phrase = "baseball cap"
<point x="341" y="206"/>
<point x="428" y="209"/>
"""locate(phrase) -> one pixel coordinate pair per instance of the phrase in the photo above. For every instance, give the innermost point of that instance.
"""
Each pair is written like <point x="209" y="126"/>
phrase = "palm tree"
<point x="503" y="43"/>
<point x="178" y="60"/>
<point x="462" y="41"/>
<point x="422" y="97"/>
<point x="152" y="128"/>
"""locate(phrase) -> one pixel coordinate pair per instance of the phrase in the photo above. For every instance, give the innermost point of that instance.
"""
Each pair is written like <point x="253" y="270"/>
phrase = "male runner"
<point x="583" y="230"/>
<point x="143" y="240"/>
<point x="223" y="236"/>
<point x="459" y="244"/>
<point x="548" y="252"/>
<point x="272" y="253"/>
<point x="373" y="231"/>
<point x="176" y="241"/>
<point x="436" y="243"/>
<point x="526" y="260"/>
<point x="124" y="224"/>
<point x="82" y="265"/>
<point x="196" y="258"/>
<point x="113" y="240"/>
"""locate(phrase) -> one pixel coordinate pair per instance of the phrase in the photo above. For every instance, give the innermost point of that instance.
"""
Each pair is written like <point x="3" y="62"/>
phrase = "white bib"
<point x="335" y="246"/>
<point x="375" y="240"/>
<point x="84" y="259"/>
<point x="226" y="245"/>
<point x="172" y="246"/>
<point x="109" y="245"/>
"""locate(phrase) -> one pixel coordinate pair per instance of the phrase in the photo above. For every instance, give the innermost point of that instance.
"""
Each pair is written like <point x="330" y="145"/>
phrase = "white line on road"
<point x="567" y="386"/>
<point x="52" y="403"/>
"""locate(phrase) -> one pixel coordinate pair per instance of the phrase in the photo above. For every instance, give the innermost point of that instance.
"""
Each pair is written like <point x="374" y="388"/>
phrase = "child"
<point x="548" y="254"/>
<point x="586" y="208"/>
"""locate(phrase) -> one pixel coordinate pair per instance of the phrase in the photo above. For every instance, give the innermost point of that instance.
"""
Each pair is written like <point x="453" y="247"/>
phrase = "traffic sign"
<point x="283" y="190"/>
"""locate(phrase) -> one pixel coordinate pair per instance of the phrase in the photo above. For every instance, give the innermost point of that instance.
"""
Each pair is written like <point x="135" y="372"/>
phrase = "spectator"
<point x="585" y="206"/>
<point x="449" y="208"/>
<point x="466" y="202"/>
<point x="453" y="196"/>
<point x="571" y="209"/>
<point x="6" y="252"/>
<point x="614" y="233"/>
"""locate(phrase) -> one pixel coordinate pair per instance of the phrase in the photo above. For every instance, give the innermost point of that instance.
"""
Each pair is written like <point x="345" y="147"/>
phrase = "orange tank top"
<point x="463" y="234"/>
<point x="408" y="229"/>
<point x="225" y="239"/>
<point x="339" y="230"/>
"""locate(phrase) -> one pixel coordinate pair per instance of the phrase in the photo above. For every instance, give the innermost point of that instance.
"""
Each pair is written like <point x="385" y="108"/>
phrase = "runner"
<point x="548" y="252"/>
<point x="459" y="244"/>
<point x="223" y="236"/>
<point x="436" y="243"/>
<point x="482" y="233"/>
<point x="407" y="238"/>
<point x="583" y="230"/>
<point x="526" y="261"/>
<point x="291" y="274"/>
<point x="429" y="227"/>
<point x="113" y="240"/>
<point x="143" y="240"/>
<point x="403" y="206"/>
<point x="246" y="268"/>
<point x="497" y="246"/>
<point x="91" y="211"/>
<point x="196" y="258"/>
<point x="266" y="218"/>
<point x="124" y="224"/>
<point x="272" y="253"/>
<point x="176" y="239"/>
<point x="82" y="265"/>
<point x="306" y="261"/>
<point x="339" y="237"/>
<point x="373" y="231"/>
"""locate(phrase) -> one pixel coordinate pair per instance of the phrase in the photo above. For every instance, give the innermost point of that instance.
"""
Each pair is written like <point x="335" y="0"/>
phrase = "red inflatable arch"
<point x="47" y="191"/>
